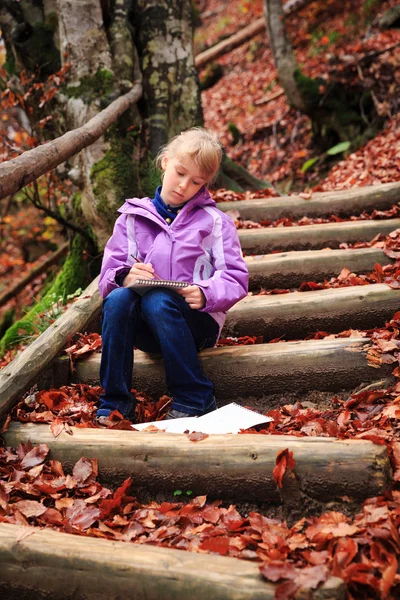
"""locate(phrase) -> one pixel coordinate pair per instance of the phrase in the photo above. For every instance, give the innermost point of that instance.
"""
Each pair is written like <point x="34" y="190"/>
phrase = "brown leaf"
<point x="30" y="508"/>
<point x="36" y="456"/>
<point x="284" y="459"/>
<point x="197" y="436"/>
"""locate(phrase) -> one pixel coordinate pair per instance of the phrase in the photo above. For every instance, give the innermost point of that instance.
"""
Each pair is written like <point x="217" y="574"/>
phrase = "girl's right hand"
<point x="139" y="271"/>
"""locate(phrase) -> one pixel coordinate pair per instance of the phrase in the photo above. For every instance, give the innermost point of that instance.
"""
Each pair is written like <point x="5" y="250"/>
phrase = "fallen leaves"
<point x="284" y="460"/>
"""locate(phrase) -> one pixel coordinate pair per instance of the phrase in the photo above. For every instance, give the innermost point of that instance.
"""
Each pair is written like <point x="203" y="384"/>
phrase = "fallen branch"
<point x="38" y="270"/>
<point x="266" y="99"/>
<point x="18" y="172"/>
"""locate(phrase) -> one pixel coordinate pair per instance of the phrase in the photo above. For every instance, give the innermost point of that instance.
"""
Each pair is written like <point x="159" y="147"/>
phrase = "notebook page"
<point x="230" y="419"/>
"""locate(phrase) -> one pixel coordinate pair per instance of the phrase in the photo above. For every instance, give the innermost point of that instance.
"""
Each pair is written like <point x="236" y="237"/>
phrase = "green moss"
<point x="72" y="277"/>
<point x="309" y="88"/>
<point x="37" y="49"/>
<point x="92" y="87"/>
<point x="234" y="131"/>
<point x="213" y="73"/>
<point x="113" y="177"/>
<point x="150" y="177"/>
<point x="9" y="64"/>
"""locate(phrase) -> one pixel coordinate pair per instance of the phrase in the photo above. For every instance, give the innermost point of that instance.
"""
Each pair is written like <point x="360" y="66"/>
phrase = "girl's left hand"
<point x="194" y="296"/>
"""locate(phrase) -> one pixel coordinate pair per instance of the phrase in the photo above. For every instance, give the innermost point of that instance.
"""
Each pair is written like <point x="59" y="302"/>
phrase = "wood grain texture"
<point x="300" y="313"/>
<point x="49" y="564"/>
<point x="312" y="237"/>
<point x="290" y="269"/>
<point x="232" y="467"/>
<point x="253" y="371"/>
<point x="322" y="204"/>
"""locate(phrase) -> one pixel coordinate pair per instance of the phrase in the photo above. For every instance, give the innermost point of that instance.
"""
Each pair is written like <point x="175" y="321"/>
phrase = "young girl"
<point x="178" y="235"/>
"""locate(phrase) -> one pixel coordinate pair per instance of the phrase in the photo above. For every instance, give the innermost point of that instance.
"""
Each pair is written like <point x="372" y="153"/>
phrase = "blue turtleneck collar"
<point x="167" y="212"/>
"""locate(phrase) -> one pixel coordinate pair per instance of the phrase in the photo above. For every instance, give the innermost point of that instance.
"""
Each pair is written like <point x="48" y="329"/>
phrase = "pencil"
<point x="140" y="261"/>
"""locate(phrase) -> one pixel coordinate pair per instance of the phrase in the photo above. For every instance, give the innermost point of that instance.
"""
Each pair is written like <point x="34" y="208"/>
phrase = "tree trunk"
<point x="164" y="34"/>
<point x="282" y="51"/>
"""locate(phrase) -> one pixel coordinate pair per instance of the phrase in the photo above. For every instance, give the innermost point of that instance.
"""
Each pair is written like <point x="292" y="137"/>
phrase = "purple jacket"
<point x="201" y="246"/>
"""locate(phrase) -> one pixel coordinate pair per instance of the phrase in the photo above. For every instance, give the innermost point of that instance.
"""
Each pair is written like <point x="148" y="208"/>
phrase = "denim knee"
<point x="118" y="303"/>
<point x="155" y="302"/>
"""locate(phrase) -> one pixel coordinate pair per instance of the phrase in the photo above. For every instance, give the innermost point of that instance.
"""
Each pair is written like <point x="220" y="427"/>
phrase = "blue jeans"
<point x="159" y="321"/>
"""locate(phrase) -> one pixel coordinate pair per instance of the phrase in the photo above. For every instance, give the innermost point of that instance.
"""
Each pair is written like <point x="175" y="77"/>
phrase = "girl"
<point x="178" y="235"/>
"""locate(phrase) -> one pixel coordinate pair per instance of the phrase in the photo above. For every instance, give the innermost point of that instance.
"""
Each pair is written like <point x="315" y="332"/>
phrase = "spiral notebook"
<point x="228" y="419"/>
<point x="143" y="285"/>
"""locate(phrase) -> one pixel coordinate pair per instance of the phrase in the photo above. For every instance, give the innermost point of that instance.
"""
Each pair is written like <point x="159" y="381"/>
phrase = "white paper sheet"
<point x="228" y="419"/>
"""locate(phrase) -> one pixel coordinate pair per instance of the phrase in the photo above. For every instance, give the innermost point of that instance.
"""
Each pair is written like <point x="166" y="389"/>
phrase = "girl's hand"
<point x="139" y="271"/>
<point x="194" y="296"/>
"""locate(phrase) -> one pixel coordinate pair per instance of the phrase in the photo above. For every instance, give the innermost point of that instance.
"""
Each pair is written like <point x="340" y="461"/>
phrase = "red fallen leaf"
<point x="211" y="514"/>
<point x="167" y="506"/>
<point x="56" y="427"/>
<point x="52" y="516"/>
<point x="35" y="457"/>
<point x="108" y="505"/>
<point x="85" y="470"/>
<point x="284" y="459"/>
<point x="53" y="399"/>
<point x="30" y="508"/>
<point x="274" y="571"/>
<point x="80" y="515"/>
<point x="197" y="436"/>
<point x="345" y="551"/>
<point x="5" y="425"/>
<point x="218" y="544"/>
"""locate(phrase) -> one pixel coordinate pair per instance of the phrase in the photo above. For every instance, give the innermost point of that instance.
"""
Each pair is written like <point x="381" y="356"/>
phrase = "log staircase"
<point x="231" y="467"/>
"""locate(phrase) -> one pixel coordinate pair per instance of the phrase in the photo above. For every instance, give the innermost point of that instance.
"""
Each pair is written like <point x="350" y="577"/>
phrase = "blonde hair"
<point x="200" y="145"/>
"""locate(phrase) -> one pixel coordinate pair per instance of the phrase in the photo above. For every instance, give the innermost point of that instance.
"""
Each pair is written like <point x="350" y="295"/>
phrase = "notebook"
<point x="141" y="286"/>
<point x="228" y="419"/>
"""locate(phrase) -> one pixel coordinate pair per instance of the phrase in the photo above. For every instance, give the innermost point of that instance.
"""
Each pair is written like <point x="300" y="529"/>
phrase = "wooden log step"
<point x="298" y="314"/>
<point x="312" y="237"/>
<point x="49" y="564"/>
<point x="24" y="370"/>
<point x="290" y="269"/>
<point x="322" y="204"/>
<point x="231" y="467"/>
<point x="252" y="371"/>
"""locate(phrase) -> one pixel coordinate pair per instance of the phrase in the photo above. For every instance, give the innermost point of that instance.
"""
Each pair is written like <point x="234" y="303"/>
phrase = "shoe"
<point x="176" y="414"/>
<point x="103" y="421"/>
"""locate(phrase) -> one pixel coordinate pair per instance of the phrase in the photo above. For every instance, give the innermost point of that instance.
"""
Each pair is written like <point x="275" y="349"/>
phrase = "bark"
<point x="83" y="567"/>
<point x="313" y="237"/>
<point x="251" y="372"/>
<point x="290" y="269"/>
<point x="343" y="203"/>
<point x="164" y="33"/>
<point x="231" y="466"/>
<point x="334" y="310"/>
<point x="283" y="54"/>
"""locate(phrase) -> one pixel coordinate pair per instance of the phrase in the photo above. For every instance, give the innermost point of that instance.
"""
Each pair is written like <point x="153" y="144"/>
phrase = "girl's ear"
<point x="164" y="162"/>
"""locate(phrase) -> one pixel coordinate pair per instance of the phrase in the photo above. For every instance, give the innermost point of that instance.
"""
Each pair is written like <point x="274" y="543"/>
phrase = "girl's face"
<point x="182" y="180"/>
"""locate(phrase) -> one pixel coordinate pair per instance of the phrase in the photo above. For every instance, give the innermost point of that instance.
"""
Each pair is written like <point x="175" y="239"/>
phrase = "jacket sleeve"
<point x="116" y="259"/>
<point x="229" y="282"/>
